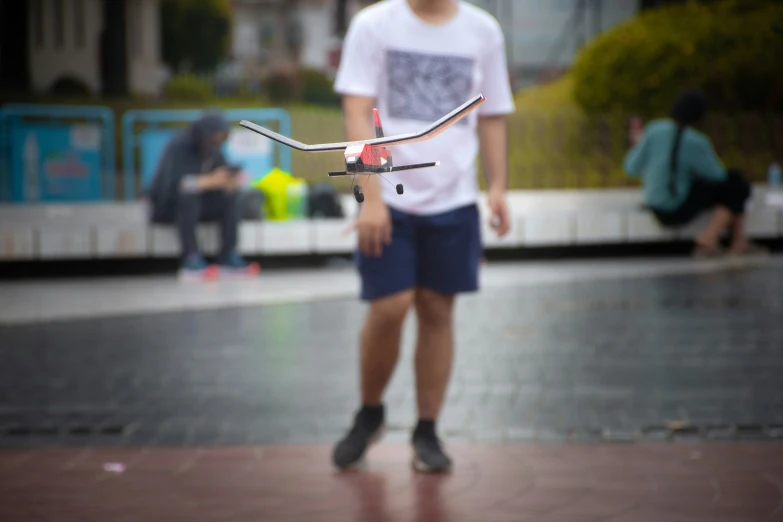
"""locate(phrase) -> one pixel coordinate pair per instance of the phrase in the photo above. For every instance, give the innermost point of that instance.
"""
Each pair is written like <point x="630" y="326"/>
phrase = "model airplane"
<point x="373" y="156"/>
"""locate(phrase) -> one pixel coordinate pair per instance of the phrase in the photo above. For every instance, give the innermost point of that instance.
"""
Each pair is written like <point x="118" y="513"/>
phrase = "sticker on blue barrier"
<point x="51" y="163"/>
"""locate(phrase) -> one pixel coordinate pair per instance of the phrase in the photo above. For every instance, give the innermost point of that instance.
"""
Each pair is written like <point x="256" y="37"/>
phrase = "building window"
<point x="59" y="24"/>
<point x="78" y="23"/>
<point x="38" y="23"/>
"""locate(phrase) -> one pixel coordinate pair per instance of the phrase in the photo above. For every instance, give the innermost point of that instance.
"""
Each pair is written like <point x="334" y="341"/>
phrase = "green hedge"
<point x="189" y="88"/>
<point x="730" y="49"/>
<point x="308" y="86"/>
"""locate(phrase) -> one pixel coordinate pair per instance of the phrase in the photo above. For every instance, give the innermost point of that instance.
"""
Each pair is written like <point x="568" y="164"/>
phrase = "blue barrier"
<point x="53" y="153"/>
<point x="142" y="148"/>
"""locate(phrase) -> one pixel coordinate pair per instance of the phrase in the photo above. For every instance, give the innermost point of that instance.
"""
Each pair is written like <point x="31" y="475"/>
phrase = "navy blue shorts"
<point x="440" y="252"/>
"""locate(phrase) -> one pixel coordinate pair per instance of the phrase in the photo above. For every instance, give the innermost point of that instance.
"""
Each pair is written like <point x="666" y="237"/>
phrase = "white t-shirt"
<point x="418" y="72"/>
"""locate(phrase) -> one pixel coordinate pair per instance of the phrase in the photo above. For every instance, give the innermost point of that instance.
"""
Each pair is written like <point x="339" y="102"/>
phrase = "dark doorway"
<point x="341" y="18"/>
<point x="14" y="47"/>
<point x="114" y="50"/>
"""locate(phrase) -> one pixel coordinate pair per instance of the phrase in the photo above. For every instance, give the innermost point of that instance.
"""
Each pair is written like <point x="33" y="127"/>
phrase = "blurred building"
<point x="544" y="36"/>
<point x="275" y="34"/>
<point x="99" y="46"/>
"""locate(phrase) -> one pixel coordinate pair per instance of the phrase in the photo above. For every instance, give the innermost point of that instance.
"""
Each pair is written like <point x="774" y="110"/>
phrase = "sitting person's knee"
<point x="735" y="191"/>
<point x="737" y="180"/>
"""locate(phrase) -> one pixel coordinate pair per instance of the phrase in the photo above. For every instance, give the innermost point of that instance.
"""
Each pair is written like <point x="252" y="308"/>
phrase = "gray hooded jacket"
<point x="187" y="154"/>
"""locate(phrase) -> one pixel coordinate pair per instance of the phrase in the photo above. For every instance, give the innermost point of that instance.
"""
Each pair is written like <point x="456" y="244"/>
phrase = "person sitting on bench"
<point x="683" y="177"/>
<point x="194" y="183"/>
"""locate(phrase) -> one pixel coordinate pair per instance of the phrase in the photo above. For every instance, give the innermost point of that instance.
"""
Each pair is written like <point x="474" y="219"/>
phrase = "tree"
<point x="195" y="33"/>
<point x="726" y="48"/>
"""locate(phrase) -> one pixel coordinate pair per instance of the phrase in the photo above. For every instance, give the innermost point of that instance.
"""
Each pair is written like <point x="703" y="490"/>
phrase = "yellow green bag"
<point x="285" y="196"/>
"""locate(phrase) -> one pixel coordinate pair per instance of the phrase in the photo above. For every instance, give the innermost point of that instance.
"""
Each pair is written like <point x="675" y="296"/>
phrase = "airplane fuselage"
<point x="366" y="158"/>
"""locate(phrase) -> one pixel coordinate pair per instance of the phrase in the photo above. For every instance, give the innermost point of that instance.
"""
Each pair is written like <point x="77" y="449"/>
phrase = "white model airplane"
<point x="373" y="156"/>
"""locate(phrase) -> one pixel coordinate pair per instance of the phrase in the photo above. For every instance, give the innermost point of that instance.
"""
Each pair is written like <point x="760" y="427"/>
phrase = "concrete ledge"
<point x="539" y="218"/>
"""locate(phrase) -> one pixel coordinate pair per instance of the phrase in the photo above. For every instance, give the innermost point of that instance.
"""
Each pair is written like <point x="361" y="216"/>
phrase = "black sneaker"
<point x="428" y="455"/>
<point x="348" y="453"/>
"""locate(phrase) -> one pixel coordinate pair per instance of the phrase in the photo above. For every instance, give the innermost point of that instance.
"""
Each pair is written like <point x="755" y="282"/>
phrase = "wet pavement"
<point x="581" y="360"/>
<point x="230" y="413"/>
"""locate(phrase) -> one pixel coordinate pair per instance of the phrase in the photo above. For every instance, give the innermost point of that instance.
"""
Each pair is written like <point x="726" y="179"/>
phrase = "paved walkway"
<point x="579" y="358"/>
<point x="227" y="410"/>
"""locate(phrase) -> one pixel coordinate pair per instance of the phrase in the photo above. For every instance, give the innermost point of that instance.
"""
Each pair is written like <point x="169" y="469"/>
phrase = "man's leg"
<point x="380" y="344"/>
<point x="709" y="237"/>
<point x="188" y="214"/>
<point x="729" y="199"/>
<point x="388" y="283"/>
<point x="734" y="194"/>
<point x="224" y="207"/>
<point x="433" y="362"/>
<point x="229" y="224"/>
<point x="434" y="350"/>
<point x="702" y="197"/>
<point x="450" y="254"/>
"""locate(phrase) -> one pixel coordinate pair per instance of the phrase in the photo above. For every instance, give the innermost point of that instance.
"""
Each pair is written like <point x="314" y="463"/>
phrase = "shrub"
<point x="188" y="87"/>
<point x="70" y="86"/>
<point x="282" y="87"/>
<point x="726" y="48"/>
<point x="194" y="33"/>
<point x="318" y="89"/>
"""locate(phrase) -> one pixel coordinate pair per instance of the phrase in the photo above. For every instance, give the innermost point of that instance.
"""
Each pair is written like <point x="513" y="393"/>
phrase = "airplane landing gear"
<point x="399" y="188"/>
<point x="357" y="194"/>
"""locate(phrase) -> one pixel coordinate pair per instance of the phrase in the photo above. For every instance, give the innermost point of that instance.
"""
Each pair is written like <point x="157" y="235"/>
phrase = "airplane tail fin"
<point x="378" y="128"/>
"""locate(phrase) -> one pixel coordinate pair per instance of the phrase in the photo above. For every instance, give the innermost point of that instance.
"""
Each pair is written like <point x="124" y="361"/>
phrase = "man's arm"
<point x="491" y="126"/>
<point x="493" y="143"/>
<point x="357" y="120"/>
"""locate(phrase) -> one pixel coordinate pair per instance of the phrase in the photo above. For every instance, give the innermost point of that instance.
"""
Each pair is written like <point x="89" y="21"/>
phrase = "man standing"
<point x="194" y="183"/>
<point x="416" y="60"/>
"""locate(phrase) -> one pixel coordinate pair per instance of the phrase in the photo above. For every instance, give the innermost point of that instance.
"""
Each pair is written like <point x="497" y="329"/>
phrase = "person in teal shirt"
<point x="683" y="177"/>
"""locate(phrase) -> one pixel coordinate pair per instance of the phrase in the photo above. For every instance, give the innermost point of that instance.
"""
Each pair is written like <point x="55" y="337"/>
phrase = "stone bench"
<point x="539" y="218"/>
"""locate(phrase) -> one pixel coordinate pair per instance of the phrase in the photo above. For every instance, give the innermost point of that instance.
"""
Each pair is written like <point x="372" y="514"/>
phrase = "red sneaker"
<point x="236" y="265"/>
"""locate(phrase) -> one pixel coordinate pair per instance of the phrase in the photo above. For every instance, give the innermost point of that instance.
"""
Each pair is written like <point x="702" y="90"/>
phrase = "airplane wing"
<point x="429" y="132"/>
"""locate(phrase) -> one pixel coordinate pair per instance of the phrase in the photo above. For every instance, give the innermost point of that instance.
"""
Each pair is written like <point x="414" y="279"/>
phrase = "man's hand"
<point x="216" y="180"/>
<point x="500" y="220"/>
<point x="636" y="130"/>
<point x="374" y="227"/>
<point x="238" y="180"/>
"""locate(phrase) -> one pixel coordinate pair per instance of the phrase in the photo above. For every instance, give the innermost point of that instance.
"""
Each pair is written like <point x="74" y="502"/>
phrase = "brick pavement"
<point x="496" y="483"/>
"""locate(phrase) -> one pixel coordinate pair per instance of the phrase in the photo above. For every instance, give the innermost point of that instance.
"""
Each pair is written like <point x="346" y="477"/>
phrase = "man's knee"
<point x="188" y="201"/>
<point x="434" y="308"/>
<point x="390" y="311"/>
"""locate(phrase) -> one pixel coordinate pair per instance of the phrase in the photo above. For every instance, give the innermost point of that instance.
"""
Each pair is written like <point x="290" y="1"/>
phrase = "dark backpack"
<point x="324" y="202"/>
<point x="252" y="202"/>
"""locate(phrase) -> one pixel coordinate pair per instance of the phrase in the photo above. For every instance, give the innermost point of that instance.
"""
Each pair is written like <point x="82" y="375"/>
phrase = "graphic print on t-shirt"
<point x="427" y="86"/>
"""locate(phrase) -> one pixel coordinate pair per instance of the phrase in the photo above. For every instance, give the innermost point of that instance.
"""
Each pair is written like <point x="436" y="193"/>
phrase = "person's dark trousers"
<point x="732" y="193"/>
<point x="214" y="206"/>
